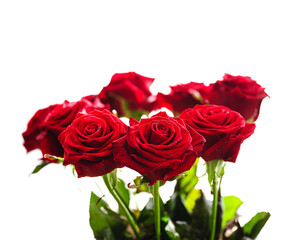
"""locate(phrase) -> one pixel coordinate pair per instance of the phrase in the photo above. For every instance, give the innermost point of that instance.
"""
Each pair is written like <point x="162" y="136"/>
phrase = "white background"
<point x="56" y="50"/>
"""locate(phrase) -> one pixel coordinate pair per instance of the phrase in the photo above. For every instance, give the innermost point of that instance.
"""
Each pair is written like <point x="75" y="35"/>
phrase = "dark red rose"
<point x="128" y="92"/>
<point x="37" y="136"/>
<point x="223" y="129"/>
<point x="31" y="135"/>
<point x="182" y="96"/>
<point x="87" y="142"/>
<point x="159" y="148"/>
<point x="62" y="116"/>
<point x="241" y="94"/>
<point x="45" y="126"/>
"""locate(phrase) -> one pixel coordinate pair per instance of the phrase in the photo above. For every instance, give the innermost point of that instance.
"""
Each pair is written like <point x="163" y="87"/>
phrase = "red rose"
<point x="182" y="96"/>
<point x="159" y="148"/>
<point x="45" y="126"/>
<point x="87" y="142"/>
<point x="62" y="116"/>
<point x="128" y="90"/>
<point x="241" y="94"/>
<point x="223" y="129"/>
<point x="37" y="136"/>
<point x="34" y="129"/>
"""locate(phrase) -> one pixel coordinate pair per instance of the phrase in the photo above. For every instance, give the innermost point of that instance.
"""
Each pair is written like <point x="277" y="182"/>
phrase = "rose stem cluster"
<point x="159" y="148"/>
<point x="213" y="122"/>
<point x="224" y="131"/>
<point x="121" y="204"/>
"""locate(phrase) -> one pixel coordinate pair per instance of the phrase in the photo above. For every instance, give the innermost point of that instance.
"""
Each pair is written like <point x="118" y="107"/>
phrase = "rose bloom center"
<point x="217" y="116"/>
<point x="161" y="129"/>
<point x="91" y="128"/>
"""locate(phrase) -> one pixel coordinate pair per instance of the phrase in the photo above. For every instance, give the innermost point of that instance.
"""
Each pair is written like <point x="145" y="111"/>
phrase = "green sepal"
<point x="52" y="157"/>
<point x="74" y="171"/>
<point x="39" y="167"/>
<point x="215" y="170"/>
<point x="112" y="176"/>
<point x="45" y="163"/>
<point x="141" y="184"/>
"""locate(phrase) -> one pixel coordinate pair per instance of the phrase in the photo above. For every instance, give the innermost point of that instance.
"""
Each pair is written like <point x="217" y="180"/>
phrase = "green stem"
<point x="214" y="208"/>
<point x="157" y="210"/>
<point x="123" y="206"/>
<point x="215" y="171"/>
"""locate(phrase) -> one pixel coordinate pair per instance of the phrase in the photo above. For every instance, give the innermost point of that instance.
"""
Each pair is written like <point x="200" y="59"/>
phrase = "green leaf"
<point x="186" y="184"/>
<point x="201" y="216"/>
<point x="176" y="209"/>
<point x="124" y="193"/>
<point x="191" y="198"/>
<point x="107" y="234"/>
<point x="231" y="205"/>
<point x="105" y="223"/>
<point x="255" y="225"/>
<point x="188" y="232"/>
<point x="39" y="167"/>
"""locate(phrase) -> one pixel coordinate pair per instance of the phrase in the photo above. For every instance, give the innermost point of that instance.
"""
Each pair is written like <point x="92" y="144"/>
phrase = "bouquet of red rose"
<point x="208" y="123"/>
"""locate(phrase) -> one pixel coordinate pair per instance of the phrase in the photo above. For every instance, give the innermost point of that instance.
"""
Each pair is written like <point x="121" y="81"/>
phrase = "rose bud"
<point x="87" y="142"/>
<point x="128" y="93"/>
<point x="159" y="147"/>
<point x="241" y="94"/>
<point x="223" y="129"/>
